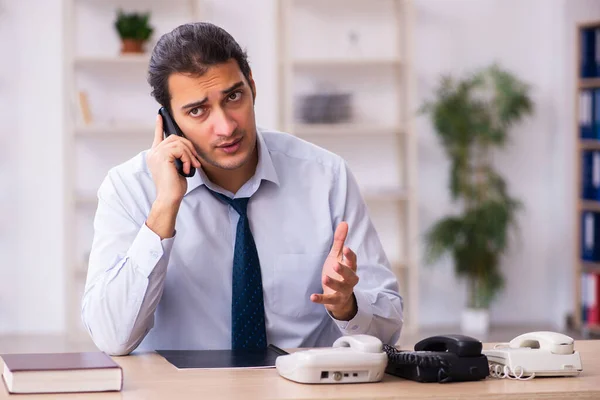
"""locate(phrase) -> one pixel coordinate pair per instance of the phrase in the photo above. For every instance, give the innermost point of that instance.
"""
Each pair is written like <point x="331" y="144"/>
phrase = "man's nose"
<point x="223" y="124"/>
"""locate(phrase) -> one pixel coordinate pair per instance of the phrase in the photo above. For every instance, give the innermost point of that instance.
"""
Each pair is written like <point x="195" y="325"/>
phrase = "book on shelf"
<point x="590" y="298"/>
<point x="590" y="175"/>
<point x="589" y="66"/>
<point x="61" y="373"/>
<point x="84" y="108"/>
<point x="586" y="114"/>
<point x="590" y="236"/>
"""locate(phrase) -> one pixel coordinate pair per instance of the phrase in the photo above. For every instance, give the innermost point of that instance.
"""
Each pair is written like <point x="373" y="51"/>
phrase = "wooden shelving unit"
<point x="110" y="71"/>
<point x="582" y="205"/>
<point x="395" y="61"/>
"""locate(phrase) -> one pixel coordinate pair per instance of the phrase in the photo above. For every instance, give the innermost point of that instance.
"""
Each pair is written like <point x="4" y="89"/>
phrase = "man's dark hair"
<point x="192" y="49"/>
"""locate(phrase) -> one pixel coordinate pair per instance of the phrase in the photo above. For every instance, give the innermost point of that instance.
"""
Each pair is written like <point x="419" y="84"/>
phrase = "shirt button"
<point x="355" y="327"/>
<point x="154" y="254"/>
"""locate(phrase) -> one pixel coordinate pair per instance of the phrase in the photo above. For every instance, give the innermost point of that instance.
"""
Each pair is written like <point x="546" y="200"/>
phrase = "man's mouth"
<point x="231" y="147"/>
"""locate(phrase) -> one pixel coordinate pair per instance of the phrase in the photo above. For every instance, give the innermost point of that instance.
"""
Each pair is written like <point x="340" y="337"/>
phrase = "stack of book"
<point x="61" y="373"/>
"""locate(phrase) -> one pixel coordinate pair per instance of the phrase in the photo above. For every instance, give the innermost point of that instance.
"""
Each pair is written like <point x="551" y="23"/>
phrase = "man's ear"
<point x="252" y="86"/>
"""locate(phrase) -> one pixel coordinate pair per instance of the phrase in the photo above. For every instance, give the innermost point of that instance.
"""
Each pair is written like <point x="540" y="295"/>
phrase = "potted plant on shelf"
<point x="472" y="118"/>
<point x="134" y="30"/>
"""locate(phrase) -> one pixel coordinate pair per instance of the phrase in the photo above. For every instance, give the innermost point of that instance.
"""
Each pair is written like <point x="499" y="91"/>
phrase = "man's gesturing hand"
<point x="339" y="278"/>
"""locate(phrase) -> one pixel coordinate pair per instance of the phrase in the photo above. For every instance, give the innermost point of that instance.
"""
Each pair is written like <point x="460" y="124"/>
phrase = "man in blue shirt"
<point x="268" y="242"/>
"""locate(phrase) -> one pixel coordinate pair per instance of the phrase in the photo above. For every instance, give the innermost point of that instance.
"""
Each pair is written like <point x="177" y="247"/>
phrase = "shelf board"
<point x="589" y="144"/>
<point x="344" y="129"/>
<point x="112" y="130"/>
<point x="589" y="83"/>
<point x="589" y="205"/>
<point x="588" y="24"/>
<point x="341" y="62"/>
<point x="141" y="60"/>
<point x="590" y="267"/>
<point x="592" y="328"/>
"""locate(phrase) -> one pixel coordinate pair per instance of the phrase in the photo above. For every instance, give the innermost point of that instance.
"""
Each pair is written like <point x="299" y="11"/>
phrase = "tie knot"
<point x="240" y="205"/>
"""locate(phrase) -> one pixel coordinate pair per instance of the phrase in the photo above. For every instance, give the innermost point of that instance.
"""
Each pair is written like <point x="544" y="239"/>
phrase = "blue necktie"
<point x="247" y="306"/>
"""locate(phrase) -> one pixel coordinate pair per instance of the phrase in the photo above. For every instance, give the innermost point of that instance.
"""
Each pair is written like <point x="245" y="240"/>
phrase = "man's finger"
<point x="338" y="240"/>
<point x="336" y="285"/>
<point x="333" y="299"/>
<point x="176" y="140"/>
<point x="346" y="273"/>
<point x="349" y="258"/>
<point x="180" y="151"/>
<point x="158" y="131"/>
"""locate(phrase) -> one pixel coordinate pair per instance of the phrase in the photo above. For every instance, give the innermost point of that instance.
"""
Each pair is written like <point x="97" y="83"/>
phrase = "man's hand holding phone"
<point x="170" y="185"/>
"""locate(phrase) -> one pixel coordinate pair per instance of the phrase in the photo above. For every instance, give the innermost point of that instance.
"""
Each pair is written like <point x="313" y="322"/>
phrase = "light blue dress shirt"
<point x="146" y="293"/>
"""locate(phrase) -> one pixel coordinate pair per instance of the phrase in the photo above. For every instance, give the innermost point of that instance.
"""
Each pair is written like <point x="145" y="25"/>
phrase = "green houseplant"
<point x="134" y="30"/>
<point x="472" y="117"/>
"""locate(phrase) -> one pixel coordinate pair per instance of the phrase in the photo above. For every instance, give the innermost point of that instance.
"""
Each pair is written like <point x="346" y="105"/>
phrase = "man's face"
<point x="215" y="111"/>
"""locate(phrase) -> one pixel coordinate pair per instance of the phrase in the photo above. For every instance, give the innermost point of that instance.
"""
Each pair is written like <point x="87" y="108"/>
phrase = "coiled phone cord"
<point x="503" y="371"/>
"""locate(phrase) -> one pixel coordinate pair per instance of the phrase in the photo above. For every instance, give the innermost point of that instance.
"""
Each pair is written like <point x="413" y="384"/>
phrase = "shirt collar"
<point x="264" y="169"/>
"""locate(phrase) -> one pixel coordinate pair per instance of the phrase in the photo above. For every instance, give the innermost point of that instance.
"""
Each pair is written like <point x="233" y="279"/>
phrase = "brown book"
<point x="61" y="373"/>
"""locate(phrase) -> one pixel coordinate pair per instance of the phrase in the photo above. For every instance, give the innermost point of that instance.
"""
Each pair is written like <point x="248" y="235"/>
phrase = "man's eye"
<point x="196" y="112"/>
<point x="235" y="96"/>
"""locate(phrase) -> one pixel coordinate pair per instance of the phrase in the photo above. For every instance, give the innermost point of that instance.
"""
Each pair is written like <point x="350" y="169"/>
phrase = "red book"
<point x="61" y="373"/>
<point x="593" y="314"/>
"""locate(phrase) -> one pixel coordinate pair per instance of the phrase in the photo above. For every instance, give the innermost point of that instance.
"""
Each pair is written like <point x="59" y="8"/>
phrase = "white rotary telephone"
<point x="352" y="359"/>
<point x="535" y="354"/>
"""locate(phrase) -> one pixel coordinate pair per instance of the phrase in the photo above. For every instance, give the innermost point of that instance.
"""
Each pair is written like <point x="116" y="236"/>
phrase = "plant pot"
<point x="475" y="321"/>
<point x="129" y="46"/>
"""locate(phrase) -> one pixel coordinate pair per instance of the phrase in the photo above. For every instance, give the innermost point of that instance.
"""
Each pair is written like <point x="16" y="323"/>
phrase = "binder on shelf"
<point x="596" y="57"/>
<point x="590" y="175"/>
<point x="588" y="64"/>
<point x="590" y="236"/>
<point x="593" y="310"/>
<point x="595" y="117"/>
<point x="586" y="114"/>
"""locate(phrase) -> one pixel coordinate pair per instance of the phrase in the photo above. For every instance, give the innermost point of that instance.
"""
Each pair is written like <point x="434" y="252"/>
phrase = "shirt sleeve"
<point x="126" y="272"/>
<point x="379" y="304"/>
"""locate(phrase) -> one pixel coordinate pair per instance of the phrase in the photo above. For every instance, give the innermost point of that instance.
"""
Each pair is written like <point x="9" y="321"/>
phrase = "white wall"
<point x="531" y="37"/>
<point x="7" y="125"/>
<point x="32" y="282"/>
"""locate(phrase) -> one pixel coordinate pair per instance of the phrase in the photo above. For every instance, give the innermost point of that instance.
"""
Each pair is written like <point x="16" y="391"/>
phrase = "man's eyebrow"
<point x="195" y="104"/>
<point x="199" y="103"/>
<point x="232" y="88"/>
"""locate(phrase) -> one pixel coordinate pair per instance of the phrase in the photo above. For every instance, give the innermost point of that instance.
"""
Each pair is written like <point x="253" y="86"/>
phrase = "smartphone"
<point x="171" y="128"/>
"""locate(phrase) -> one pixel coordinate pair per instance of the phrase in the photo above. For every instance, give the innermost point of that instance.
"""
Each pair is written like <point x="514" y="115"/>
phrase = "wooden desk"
<point x="149" y="376"/>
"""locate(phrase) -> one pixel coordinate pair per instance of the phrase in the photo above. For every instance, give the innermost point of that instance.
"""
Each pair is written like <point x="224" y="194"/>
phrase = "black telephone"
<point x="447" y="358"/>
<point x="171" y="128"/>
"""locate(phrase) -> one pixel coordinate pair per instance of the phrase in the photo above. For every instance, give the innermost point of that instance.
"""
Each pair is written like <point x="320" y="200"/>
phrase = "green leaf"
<point x="472" y="117"/>
<point x="133" y="25"/>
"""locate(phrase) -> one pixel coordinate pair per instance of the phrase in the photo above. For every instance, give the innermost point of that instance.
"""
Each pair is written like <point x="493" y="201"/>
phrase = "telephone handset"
<point x="352" y="359"/>
<point x="170" y="127"/>
<point x="444" y="358"/>
<point x="535" y="354"/>
<point x="553" y="342"/>
<point x="461" y="345"/>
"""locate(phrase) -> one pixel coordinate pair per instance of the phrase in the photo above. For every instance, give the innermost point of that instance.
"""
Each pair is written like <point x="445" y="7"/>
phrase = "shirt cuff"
<point x="147" y="249"/>
<point x="362" y="320"/>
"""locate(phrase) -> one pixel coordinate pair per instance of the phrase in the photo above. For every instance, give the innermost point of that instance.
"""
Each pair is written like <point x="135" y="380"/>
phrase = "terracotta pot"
<point x="132" y="46"/>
